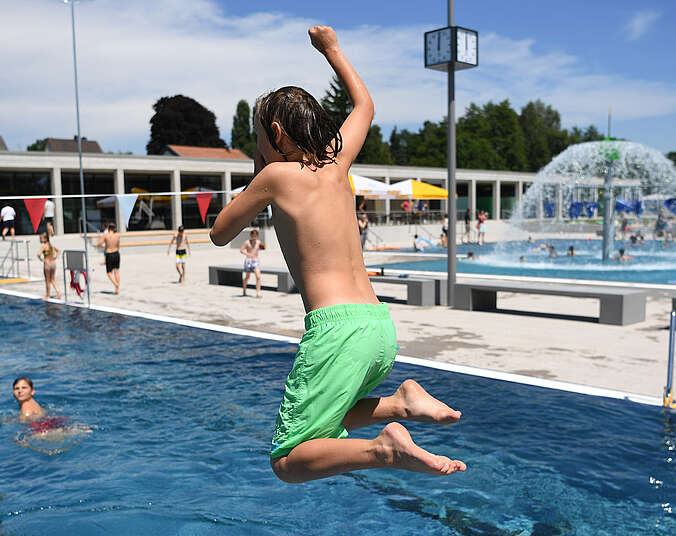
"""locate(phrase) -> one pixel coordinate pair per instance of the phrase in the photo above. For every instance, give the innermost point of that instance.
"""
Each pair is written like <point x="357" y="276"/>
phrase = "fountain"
<point x="596" y="176"/>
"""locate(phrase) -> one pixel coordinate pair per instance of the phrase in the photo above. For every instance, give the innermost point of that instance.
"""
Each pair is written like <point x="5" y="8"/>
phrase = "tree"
<point x="242" y="135"/>
<point x="591" y="133"/>
<point x="398" y="148"/>
<point x="37" y="145"/>
<point x="374" y="150"/>
<point x="672" y="156"/>
<point x="181" y="120"/>
<point x="336" y="101"/>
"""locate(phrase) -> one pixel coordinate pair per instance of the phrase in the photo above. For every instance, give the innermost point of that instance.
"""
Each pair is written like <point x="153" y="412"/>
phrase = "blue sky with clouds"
<point x="578" y="56"/>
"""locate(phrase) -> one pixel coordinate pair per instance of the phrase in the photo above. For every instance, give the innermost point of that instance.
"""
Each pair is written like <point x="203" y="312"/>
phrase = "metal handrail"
<point x="10" y="264"/>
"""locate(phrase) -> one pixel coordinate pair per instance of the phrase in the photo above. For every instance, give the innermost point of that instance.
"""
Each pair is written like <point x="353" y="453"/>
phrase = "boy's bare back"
<point x="313" y="206"/>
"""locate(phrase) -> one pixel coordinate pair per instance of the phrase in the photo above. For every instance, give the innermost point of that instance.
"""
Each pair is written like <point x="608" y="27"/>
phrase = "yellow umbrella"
<point x="415" y="189"/>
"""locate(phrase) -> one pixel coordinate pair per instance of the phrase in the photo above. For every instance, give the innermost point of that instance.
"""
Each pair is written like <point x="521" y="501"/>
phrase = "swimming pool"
<point x="651" y="263"/>
<point x="184" y="418"/>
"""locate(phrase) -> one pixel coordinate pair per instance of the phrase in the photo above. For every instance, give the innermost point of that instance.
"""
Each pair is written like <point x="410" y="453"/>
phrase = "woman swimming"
<point x="48" y="254"/>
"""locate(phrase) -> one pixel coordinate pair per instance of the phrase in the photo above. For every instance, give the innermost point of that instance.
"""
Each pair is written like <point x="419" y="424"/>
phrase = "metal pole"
<point x="608" y="213"/>
<point x="79" y="151"/>
<point x="452" y="209"/>
<point x="668" y="393"/>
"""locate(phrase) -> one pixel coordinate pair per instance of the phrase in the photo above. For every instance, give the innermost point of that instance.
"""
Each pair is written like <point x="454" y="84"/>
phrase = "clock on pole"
<point x="451" y="49"/>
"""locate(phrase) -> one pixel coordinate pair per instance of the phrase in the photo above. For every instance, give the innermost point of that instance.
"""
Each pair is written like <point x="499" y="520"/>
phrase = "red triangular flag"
<point x="35" y="209"/>
<point x="203" y="200"/>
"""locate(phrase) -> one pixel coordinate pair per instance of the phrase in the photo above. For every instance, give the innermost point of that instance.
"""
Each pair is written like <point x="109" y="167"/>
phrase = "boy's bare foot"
<point x="117" y="289"/>
<point x="46" y="297"/>
<point x="397" y="450"/>
<point x="418" y="405"/>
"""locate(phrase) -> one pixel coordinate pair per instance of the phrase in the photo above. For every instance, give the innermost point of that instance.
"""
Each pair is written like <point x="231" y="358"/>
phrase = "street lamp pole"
<point x="79" y="150"/>
<point x="452" y="208"/>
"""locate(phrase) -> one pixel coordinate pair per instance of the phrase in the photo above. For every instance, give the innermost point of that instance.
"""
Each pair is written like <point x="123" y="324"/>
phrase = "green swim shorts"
<point x="346" y="352"/>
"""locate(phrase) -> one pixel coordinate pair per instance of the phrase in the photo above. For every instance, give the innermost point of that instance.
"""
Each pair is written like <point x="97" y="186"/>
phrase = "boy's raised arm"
<point x="357" y="124"/>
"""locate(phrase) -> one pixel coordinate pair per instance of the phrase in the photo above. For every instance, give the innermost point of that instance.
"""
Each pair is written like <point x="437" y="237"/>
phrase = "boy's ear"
<point x="277" y="132"/>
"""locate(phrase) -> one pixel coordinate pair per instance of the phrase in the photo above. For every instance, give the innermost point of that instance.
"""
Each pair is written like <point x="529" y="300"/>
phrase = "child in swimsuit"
<point x="250" y="248"/>
<point x="48" y="254"/>
<point x="181" y="253"/>
<point x="300" y="169"/>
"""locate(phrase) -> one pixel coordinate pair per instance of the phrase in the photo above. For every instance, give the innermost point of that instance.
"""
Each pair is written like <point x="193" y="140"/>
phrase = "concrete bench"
<point x="418" y="291"/>
<point x="232" y="275"/>
<point x="619" y="306"/>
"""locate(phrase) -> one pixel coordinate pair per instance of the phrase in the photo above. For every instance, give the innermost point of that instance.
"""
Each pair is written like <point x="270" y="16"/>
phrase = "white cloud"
<point x="130" y="54"/>
<point x="640" y="23"/>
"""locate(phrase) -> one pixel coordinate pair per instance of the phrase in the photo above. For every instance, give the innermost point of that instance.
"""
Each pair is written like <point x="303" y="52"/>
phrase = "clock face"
<point x="467" y="50"/>
<point x="438" y="47"/>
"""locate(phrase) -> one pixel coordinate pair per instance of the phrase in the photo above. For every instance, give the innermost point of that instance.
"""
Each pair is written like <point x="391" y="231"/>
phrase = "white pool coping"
<point x="439" y="365"/>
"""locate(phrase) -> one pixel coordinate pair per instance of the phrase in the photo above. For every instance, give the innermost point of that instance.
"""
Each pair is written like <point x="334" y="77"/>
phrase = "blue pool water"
<point x="651" y="263"/>
<point x="184" y="417"/>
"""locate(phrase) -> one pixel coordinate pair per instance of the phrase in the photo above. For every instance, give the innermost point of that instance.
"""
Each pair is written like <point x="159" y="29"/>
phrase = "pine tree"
<point x="374" y="150"/>
<point x="398" y="148"/>
<point x="242" y="135"/>
<point x="336" y="101"/>
<point x="180" y="120"/>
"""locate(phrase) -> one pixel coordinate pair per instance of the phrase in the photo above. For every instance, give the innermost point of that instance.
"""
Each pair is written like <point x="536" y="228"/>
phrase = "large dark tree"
<point x="242" y="135"/>
<point x="180" y="120"/>
<point x="398" y="148"/>
<point x="37" y="145"/>
<point x="672" y="156"/>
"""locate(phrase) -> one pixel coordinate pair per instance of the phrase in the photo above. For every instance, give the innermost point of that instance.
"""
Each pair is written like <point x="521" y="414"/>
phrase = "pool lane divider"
<point x="439" y="365"/>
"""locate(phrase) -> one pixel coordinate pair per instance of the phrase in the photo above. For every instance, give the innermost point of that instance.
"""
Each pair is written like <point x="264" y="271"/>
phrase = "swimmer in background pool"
<point x="29" y="409"/>
<point x="300" y="168"/>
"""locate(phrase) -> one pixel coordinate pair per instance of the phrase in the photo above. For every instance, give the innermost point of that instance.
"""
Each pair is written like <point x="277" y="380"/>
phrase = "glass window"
<point x="100" y="210"/>
<point x="23" y="183"/>
<point x="189" y="208"/>
<point x="150" y="211"/>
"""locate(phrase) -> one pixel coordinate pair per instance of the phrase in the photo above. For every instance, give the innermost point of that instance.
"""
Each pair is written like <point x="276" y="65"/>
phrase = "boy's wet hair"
<point x="181" y="228"/>
<point x="304" y="121"/>
<point x="24" y="378"/>
<point x="112" y="227"/>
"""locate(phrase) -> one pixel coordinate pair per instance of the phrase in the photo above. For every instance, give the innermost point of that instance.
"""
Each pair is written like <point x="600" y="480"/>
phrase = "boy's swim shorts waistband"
<point x="345" y="311"/>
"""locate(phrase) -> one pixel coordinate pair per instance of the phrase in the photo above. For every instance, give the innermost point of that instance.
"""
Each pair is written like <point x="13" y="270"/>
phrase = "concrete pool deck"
<point x="551" y="341"/>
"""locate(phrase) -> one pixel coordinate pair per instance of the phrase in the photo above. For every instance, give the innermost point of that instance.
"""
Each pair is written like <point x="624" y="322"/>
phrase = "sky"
<point x="582" y="57"/>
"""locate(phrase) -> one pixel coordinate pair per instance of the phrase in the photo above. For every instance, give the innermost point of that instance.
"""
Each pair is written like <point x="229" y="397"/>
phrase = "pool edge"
<point x="440" y="365"/>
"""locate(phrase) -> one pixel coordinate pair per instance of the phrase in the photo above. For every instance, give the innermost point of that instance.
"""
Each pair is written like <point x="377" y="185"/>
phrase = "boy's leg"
<point x="183" y="273"/>
<point x="245" y="282"/>
<point x="409" y="402"/>
<point x="178" y="269"/>
<point x="258" y="282"/>
<point x="393" y="448"/>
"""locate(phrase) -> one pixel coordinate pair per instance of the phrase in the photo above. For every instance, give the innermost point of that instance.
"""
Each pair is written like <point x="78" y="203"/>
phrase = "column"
<point x="559" y="202"/>
<point x="472" y="197"/>
<point x="387" y="201"/>
<point x="226" y="184"/>
<point x="58" y="200"/>
<point x="176" y="213"/>
<point x="519" y="192"/>
<point x="496" y="200"/>
<point x="119" y="189"/>
<point x="539" y="207"/>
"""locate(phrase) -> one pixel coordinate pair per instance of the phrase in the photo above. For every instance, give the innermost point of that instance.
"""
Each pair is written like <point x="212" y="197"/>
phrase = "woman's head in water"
<point x="23" y="389"/>
<point x="289" y="122"/>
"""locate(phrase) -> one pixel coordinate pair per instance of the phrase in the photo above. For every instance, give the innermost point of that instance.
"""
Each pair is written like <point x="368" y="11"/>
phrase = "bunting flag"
<point x="126" y="203"/>
<point x="35" y="209"/>
<point x="203" y="200"/>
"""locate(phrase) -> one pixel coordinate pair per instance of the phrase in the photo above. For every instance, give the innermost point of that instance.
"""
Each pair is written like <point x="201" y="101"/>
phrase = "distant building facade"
<point x="106" y="175"/>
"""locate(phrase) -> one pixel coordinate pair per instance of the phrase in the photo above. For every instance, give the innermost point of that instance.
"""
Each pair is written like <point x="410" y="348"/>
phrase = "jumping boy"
<point x="349" y="347"/>
<point x="250" y="249"/>
<point x="181" y="254"/>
